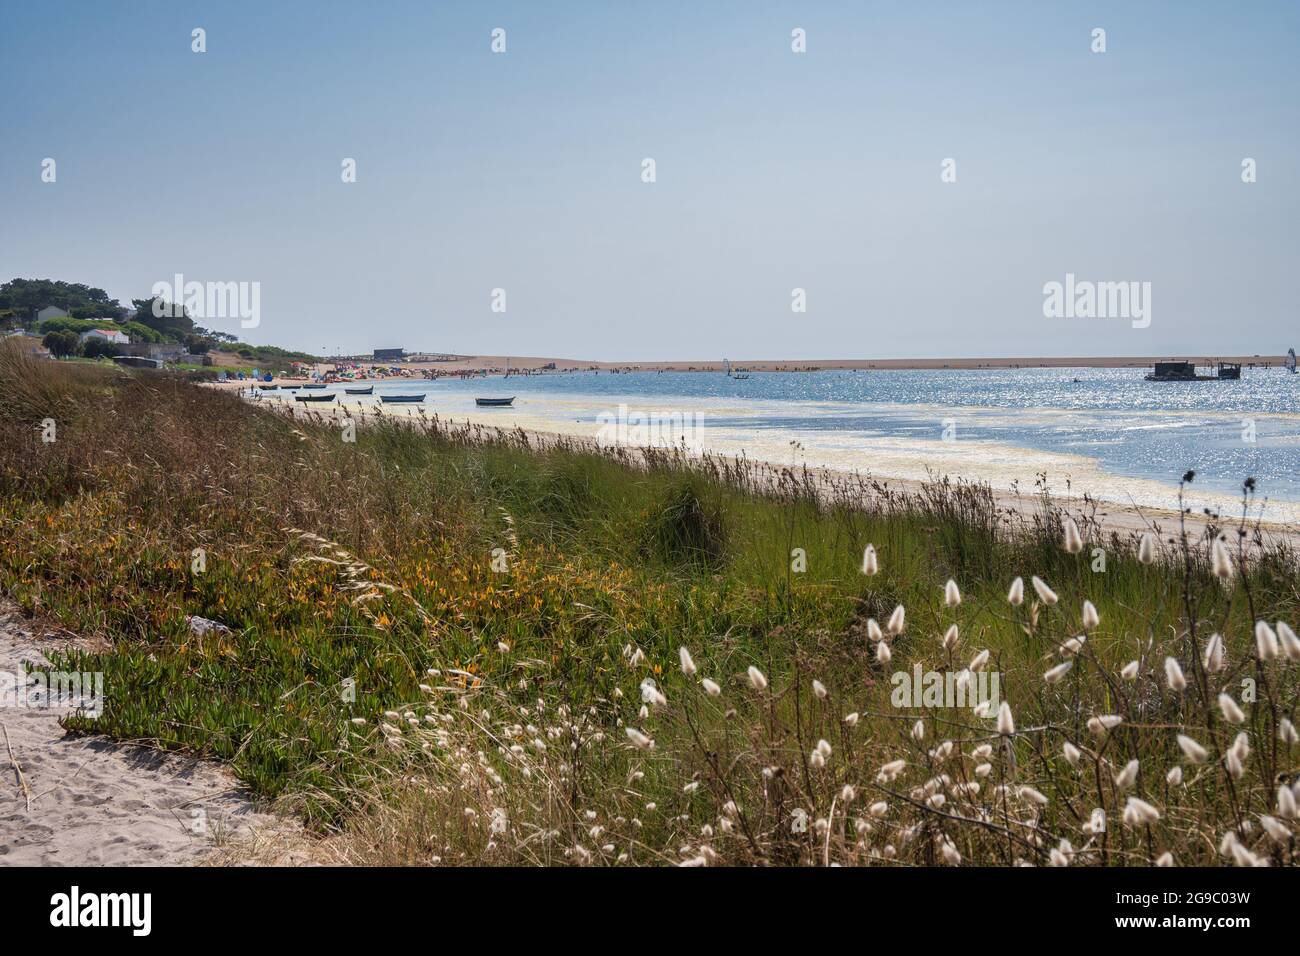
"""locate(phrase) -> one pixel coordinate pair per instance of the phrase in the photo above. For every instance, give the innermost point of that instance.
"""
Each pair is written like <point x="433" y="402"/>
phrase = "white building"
<point x="106" y="335"/>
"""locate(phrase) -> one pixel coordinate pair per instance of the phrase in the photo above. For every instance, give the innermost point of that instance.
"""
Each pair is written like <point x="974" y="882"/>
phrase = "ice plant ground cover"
<point x="449" y="646"/>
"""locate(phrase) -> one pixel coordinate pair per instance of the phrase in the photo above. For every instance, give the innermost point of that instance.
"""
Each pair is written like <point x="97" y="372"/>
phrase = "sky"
<point x="774" y="171"/>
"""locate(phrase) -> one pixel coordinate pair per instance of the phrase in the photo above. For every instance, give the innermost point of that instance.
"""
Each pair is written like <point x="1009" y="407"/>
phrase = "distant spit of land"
<point x="521" y="363"/>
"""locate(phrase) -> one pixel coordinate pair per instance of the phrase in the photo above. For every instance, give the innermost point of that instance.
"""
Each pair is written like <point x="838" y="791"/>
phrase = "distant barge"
<point x="1186" y="372"/>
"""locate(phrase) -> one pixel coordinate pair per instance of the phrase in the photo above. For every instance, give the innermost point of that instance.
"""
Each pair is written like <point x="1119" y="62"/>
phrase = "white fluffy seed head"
<point x="1128" y="776"/>
<point x="1174" y="777"/>
<point x="1091" y="618"/>
<point x="819" y="689"/>
<point x="870" y="565"/>
<point x="1234" y="764"/>
<point x="688" y="663"/>
<point x="1033" y="796"/>
<point x="1220" y="560"/>
<point x="1194" y="752"/>
<point x="1231" y="712"/>
<point x="1286" y="803"/>
<point x="951" y="593"/>
<point x="1241" y="746"/>
<point x="897" y="621"/>
<point x="710" y="687"/>
<point x="1045" y="594"/>
<point x="1286" y="733"/>
<point x="950" y="638"/>
<point x="1214" y="654"/>
<point x="893" y="768"/>
<point x="1073" y="540"/>
<point x="874" y="634"/>
<point x="1072" y="753"/>
<point x="1266" y="644"/>
<point x="1174" y="675"/>
<point x="1006" y="723"/>
<point x="639" y="740"/>
<point x="1057" y="673"/>
<point x="883" y="653"/>
<point x="1099" y="726"/>
<point x="1016" y="596"/>
<point x="1277" y="831"/>
<point x="1138" y="812"/>
<point x="1147" y="549"/>
<point x="756" y="678"/>
<point x="1290" y="643"/>
<point x="1129" y="671"/>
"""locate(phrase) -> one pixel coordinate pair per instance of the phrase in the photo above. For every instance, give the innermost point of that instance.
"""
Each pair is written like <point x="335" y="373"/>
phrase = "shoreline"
<point x="1111" y="515"/>
<point x="538" y="364"/>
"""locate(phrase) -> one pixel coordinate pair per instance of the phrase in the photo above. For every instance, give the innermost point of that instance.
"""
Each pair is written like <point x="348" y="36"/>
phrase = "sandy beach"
<point x="87" y="801"/>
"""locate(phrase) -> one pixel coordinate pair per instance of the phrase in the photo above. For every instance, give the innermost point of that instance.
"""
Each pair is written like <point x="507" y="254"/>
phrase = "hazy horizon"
<point x="775" y="170"/>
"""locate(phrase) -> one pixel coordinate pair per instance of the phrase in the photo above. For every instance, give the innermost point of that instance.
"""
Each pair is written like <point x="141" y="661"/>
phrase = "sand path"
<point x="89" y="801"/>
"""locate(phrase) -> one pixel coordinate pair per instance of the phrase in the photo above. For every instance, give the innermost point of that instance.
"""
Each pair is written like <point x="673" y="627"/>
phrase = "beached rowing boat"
<point x="494" y="402"/>
<point x="314" y="385"/>
<point x="360" y="391"/>
<point x="314" y="398"/>
<point x="401" y="398"/>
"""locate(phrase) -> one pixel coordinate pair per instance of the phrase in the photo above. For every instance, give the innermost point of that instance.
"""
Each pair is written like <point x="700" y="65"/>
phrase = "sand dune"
<point x="87" y="801"/>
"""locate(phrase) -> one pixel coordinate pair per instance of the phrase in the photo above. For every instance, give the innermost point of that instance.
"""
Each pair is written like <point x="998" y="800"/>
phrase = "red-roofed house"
<point x="107" y="335"/>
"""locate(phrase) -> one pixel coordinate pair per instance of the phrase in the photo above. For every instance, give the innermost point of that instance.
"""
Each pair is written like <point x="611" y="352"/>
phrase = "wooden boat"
<point x="314" y="385"/>
<point x="494" y="402"/>
<point x="369" y="389"/>
<point x="268" y="388"/>
<point x="315" y="398"/>
<point x="401" y="398"/>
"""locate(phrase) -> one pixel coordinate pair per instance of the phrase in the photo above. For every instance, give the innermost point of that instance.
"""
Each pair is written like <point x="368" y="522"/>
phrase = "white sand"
<point x="95" y="802"/>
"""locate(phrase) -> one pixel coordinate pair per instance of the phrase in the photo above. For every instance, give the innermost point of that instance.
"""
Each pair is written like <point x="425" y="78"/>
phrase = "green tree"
<point x="26" y="297"/>
<point x="95" y="348"/>
<point x="61" y="344"/>
<point x="166" y="319"/>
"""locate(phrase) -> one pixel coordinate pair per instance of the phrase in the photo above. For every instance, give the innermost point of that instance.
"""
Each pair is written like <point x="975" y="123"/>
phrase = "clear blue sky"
<point x="775" y="171"/>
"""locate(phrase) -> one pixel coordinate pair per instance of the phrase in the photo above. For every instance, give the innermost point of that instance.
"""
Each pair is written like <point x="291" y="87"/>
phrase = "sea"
<point x="1107" y="433"/>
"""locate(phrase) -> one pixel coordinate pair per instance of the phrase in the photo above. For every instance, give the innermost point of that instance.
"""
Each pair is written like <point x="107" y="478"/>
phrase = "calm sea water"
<point x="1106" y="431"/>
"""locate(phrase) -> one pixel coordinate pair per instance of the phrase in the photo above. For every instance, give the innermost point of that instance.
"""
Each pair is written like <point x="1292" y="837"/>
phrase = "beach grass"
<point x="450" y="644"/>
